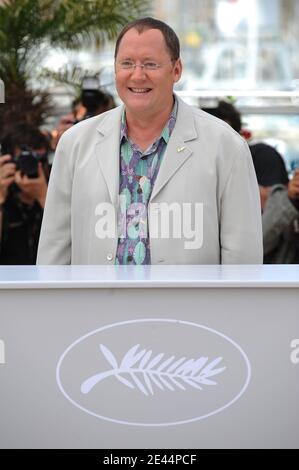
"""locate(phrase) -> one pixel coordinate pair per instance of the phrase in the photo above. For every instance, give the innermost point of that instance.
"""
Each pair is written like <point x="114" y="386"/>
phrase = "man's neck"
<point x="145" y="129"/>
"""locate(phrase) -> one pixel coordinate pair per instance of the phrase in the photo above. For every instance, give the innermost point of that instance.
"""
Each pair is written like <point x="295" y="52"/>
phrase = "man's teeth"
<point x="140" y="90"/>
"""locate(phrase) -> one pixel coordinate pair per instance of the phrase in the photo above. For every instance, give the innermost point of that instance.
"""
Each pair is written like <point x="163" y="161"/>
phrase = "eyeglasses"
<point x="129" y="65"/>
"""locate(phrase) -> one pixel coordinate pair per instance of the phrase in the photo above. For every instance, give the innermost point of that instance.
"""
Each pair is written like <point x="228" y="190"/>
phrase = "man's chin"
<point x="136" y="100"/>
<point x="139" y="105"/>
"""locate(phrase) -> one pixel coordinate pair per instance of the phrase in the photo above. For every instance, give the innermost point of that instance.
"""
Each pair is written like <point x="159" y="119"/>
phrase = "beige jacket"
<point x="205" y="162"/>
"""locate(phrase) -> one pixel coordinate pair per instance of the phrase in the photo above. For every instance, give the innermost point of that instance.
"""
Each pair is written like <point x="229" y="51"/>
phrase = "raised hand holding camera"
<point x="7" y="176"/>
<point x="33" y="188"/>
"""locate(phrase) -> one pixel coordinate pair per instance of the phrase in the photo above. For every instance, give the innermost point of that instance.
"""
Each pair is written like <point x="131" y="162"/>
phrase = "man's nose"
<point x="138" y="71"/>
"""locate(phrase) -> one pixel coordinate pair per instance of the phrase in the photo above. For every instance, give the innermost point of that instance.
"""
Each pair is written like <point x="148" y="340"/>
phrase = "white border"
<point x="2" y="92"/>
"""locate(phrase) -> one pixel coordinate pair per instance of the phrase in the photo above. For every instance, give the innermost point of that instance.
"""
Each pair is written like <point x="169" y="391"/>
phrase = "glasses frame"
<point x="133" y="66"/>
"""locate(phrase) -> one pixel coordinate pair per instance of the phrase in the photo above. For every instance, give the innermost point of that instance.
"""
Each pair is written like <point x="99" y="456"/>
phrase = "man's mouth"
<point x="140" y="90"/>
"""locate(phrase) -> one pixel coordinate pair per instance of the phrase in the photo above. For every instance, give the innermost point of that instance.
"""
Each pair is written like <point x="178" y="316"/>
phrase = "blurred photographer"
<point x="281" y="222"/>
<point x="279" y="196"/>
<point x="24" y="174"/>
<point x="92" y="101"/>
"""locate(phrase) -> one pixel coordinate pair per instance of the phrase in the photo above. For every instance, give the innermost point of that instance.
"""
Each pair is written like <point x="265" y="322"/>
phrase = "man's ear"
<point x="178" y="68"/>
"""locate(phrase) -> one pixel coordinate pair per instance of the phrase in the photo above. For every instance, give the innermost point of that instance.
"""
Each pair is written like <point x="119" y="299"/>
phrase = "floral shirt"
<point x="138" y="172"/>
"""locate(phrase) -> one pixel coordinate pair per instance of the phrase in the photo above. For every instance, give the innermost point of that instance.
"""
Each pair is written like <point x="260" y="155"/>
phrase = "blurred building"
<point x="247" y="50"/>
<point x="241" y="44"/>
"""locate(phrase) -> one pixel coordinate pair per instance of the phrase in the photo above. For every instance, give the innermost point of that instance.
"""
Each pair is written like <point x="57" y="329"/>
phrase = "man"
<point x="281" y="222"/>
<point x="188" y="192"/>
<point x="23" y="189"/>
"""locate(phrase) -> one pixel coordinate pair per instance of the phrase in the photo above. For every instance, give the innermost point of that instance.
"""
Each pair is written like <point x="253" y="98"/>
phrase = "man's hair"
<point x="143" y="24"/>
<point x="228" y="113"/>
<point x="24" y="134"/>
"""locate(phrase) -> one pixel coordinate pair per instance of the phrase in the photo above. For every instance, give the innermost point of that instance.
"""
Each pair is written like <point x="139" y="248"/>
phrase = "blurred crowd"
<point x="26" y="154"/>
<point x="279" y="194"/>
<point x="25" y="166"/>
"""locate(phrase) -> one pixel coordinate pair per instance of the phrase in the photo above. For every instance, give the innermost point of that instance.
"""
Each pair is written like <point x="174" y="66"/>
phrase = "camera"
<point x="26" y="161"/>
<point x="92" y="97"/>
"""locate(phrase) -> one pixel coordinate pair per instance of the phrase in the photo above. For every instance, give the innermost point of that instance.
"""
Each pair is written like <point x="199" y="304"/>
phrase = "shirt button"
<point x="110" y="257"/>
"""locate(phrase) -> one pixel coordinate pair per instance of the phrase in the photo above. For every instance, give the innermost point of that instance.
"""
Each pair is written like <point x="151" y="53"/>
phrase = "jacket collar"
<point x="177" y="151"/>
<point x="185" y="121"/>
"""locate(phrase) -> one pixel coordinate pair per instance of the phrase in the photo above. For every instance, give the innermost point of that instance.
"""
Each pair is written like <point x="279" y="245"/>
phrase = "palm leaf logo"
<point x="140" y="369"/>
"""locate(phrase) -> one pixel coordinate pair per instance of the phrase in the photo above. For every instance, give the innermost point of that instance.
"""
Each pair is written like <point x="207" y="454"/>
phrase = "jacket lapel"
<point x="176" y="154"/>
<point x="177" y="150"/>
<point x="107" y="150"/>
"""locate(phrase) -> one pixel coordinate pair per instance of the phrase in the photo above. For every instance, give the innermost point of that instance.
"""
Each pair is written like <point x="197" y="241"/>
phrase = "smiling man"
<point x="154" y="181"/>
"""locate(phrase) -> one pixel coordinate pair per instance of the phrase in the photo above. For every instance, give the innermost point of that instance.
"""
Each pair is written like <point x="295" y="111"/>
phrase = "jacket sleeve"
<point x="278" y="214"/>
<point x="241" y="237"/>
<point x="55" y="237"/>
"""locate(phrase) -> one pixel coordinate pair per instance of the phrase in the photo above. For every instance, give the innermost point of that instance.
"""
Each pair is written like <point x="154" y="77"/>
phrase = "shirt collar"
<point x="165" y="134"/>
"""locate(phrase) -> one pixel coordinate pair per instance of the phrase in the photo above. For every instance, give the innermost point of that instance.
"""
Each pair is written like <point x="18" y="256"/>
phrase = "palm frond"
<point x="169" y="374"/>
<point x="29" y="27"/>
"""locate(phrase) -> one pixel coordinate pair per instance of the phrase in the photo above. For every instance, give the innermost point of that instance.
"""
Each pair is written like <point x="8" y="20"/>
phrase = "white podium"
<point x="149" y="357"/>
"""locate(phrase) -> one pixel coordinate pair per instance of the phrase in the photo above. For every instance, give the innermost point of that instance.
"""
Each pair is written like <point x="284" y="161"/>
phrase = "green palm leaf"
<point x="28" y="28"/>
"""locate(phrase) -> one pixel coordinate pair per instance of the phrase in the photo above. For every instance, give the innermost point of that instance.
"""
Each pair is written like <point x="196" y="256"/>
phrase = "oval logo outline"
<point x="164" y="320"/>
